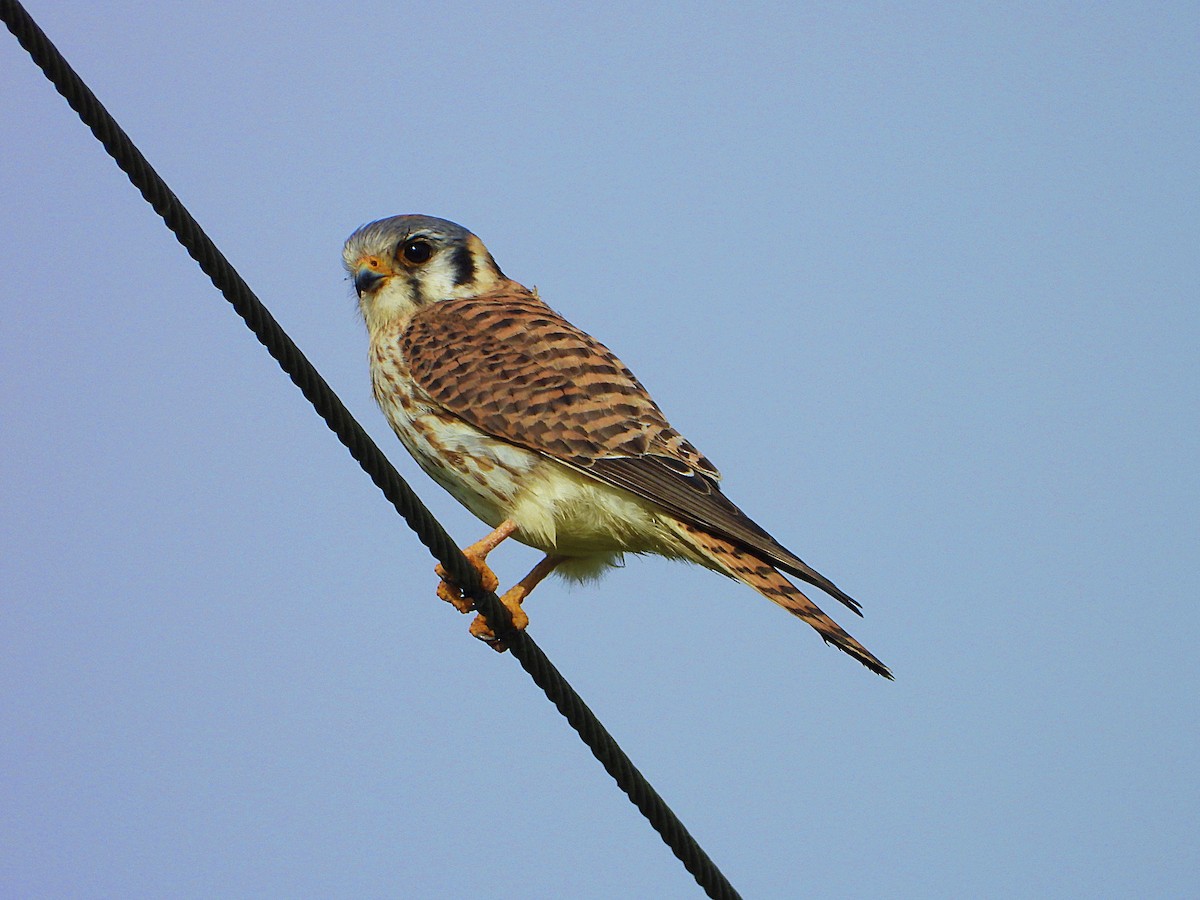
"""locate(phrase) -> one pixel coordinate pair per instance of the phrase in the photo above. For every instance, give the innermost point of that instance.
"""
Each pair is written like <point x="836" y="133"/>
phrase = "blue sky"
<point x="921" y="280"/>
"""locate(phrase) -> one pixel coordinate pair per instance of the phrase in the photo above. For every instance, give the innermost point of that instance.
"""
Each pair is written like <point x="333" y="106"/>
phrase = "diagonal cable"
<point x="428" y="530"/>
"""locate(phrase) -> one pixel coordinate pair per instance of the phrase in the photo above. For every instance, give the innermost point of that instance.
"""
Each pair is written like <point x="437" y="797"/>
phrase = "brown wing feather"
<point x="528" y="376"/>
<point x="532" y="378"/>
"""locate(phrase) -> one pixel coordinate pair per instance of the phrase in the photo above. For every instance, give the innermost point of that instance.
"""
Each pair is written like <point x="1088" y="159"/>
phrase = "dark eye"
<point x="416" y="251"/>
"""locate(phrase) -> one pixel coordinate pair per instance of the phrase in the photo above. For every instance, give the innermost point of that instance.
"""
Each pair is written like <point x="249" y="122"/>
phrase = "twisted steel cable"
<point x="368" y="455"/>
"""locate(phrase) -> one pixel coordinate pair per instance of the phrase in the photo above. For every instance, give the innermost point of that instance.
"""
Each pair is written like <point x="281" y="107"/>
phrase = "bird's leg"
<point x="476" y="555"/>
<point x="512" y="599"/>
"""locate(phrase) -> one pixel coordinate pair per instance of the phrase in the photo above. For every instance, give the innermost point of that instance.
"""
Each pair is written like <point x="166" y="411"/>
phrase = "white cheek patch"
<point x="437" y="278"/>
<point x="393" y="300"/>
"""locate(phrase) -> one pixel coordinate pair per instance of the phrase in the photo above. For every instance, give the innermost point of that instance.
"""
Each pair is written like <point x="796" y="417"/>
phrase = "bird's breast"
<point x="483" y="473"/>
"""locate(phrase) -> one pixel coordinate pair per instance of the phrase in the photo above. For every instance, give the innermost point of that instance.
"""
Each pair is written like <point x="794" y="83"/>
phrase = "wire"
<point x="428" y="530"/>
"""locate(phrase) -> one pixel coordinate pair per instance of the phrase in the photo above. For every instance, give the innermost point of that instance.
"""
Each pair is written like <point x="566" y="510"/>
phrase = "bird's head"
<point x="403" y="263"/>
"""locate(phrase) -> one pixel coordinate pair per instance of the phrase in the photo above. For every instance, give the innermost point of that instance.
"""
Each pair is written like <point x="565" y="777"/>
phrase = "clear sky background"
<point x="921" y="279"/>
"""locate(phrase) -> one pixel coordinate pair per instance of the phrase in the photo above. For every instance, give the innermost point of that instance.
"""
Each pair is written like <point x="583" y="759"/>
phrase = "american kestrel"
<point x="541" y="432"/>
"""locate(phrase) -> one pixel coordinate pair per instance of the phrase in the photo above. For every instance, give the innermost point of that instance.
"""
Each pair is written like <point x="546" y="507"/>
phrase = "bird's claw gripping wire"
<point x="449" y="591"/>
<point x="453" y="593"/>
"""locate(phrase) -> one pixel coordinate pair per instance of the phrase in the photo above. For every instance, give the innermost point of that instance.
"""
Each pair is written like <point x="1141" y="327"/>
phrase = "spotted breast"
<point x="482" y="473"/>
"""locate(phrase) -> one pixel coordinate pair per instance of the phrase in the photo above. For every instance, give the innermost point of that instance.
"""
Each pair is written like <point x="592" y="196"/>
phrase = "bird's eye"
<point x="416" y="251"/>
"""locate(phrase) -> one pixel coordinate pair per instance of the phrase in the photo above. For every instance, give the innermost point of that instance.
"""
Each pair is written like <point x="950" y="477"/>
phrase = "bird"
<point x="543" y="433"/>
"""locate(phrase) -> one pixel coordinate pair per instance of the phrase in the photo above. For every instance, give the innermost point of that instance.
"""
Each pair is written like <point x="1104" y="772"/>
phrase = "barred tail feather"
<point x="778" y="589"/>
<point x="737" y="563"/>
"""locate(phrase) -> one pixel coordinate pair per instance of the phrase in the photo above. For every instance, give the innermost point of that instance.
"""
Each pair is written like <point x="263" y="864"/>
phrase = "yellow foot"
<point x="453" y="594"/>
<point x="511" y="599"/>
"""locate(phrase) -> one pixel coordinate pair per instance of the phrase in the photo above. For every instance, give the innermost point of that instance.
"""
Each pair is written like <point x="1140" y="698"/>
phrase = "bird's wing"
<point x="509" y="365"/>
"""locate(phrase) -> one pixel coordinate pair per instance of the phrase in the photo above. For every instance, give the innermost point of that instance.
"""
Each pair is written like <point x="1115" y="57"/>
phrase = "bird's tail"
<point x="737" y="563"/>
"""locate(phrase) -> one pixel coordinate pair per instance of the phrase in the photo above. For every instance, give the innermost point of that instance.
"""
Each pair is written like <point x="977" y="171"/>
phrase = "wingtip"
<point x="807" y="573"/>
<point x="841" y="596"/>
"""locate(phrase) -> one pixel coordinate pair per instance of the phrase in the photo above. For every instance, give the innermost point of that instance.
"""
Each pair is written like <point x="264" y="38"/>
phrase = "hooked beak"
<point x="366" y="280"/>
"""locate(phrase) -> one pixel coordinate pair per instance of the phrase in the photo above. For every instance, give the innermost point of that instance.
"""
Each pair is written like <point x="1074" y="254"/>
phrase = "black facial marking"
<point x="414" y="285"/>
<point x="463" y="264"/>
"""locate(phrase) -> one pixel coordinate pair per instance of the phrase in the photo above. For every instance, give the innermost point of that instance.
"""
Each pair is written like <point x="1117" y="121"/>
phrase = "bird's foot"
<point x="449" y="591"/>
<point x="512" y="600"/>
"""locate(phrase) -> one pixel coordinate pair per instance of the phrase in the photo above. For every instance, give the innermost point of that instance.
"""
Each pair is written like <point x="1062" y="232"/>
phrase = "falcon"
<point x="543" y="433"/>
